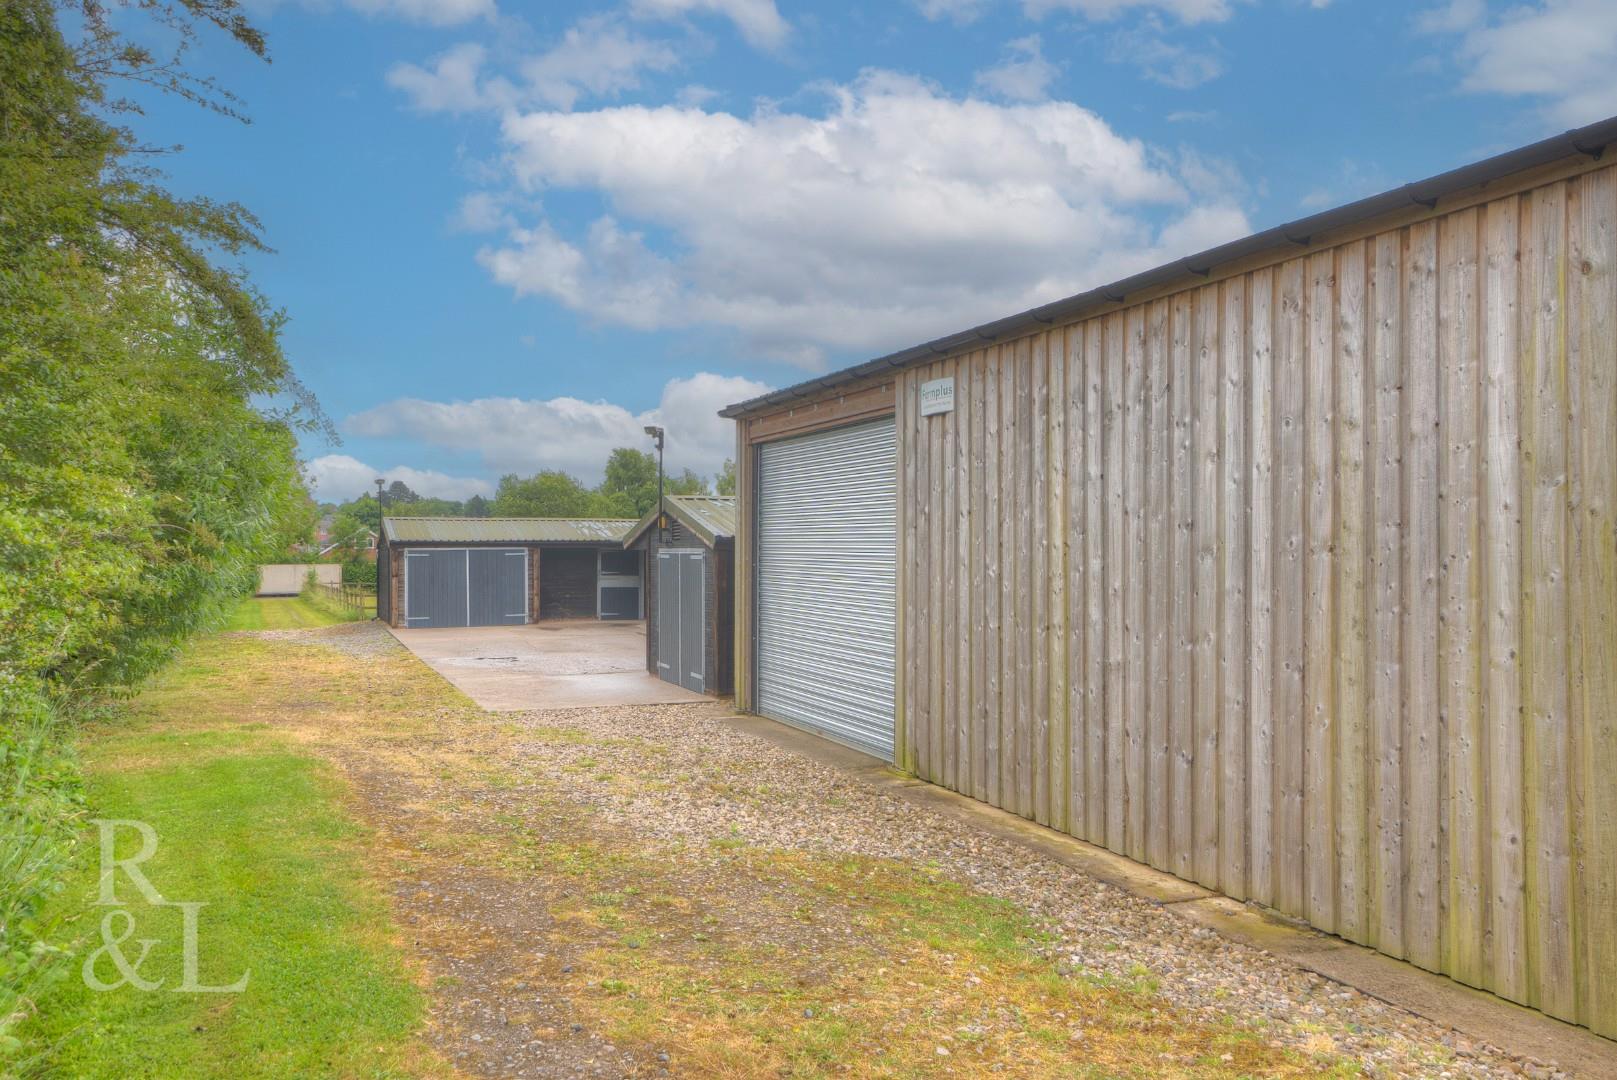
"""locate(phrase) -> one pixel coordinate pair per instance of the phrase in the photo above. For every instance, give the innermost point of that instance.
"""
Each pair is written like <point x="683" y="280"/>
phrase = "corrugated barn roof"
<point x="493" y="530"/>
<point x="708" y="516"/>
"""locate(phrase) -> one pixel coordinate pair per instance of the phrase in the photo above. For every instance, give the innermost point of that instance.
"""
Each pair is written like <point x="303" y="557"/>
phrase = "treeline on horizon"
<point x="628" y="489"/>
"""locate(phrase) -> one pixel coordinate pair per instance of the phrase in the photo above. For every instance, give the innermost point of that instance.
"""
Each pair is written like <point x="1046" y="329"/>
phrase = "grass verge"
<point x="720" y="958"/>
<point x="253" y="829"/>
<point x="285" y="613"/>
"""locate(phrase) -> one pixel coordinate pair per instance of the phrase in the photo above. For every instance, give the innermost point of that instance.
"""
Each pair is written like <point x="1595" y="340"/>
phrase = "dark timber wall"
<point x="567" y="583"/>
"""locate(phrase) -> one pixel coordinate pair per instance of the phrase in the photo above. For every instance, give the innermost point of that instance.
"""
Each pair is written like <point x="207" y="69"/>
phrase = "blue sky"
<point x="509" y="234"/>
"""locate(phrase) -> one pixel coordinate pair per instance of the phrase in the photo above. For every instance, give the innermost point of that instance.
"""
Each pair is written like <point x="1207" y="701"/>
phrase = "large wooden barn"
<point x="1289" y="568"/>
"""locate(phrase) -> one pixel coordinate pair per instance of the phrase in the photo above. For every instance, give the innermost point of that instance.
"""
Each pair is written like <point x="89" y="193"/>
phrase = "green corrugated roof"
<point x="708" y="516"/>
<point x="493" y="530"/>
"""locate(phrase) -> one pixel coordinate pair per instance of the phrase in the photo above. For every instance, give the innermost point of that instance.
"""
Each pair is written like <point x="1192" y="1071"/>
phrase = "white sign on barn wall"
<point x="937" y="396"/>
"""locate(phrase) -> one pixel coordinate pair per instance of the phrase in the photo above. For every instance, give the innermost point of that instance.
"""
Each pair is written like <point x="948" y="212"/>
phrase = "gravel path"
<point x="679" y="777"/>
<point x="740" y="786"/>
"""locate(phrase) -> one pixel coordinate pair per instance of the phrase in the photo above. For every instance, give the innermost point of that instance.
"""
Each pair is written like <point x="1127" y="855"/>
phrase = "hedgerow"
<point x="148" y="423"/>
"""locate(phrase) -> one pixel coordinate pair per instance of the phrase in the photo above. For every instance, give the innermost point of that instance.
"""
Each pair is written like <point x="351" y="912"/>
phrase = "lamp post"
<point x="662" y="519"/>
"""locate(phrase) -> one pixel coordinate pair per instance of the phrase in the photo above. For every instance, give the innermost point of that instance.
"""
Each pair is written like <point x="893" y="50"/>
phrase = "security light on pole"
<point x="662" y="519"/>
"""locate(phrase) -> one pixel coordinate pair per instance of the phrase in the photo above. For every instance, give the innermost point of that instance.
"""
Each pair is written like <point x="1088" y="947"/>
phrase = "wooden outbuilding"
<point x="1289" y="568"/>
<point x="690" y="573"/>
<point x="446" y="572"/>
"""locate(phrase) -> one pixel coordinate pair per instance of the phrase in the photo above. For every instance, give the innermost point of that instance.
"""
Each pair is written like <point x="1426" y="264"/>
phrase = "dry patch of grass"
<point x="729" y="959"/>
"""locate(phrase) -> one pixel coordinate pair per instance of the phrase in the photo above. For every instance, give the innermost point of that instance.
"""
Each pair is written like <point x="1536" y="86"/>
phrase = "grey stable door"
<point x="682" y="618"/>
<point x="497" y="584"/>
<point x="465" y="587"/>
<point x="435" y="588"/>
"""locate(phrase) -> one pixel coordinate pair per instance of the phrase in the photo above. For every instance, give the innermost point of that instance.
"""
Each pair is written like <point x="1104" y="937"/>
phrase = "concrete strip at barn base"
<point x="1475" y="1014"/>
<point x="555" y="664"/>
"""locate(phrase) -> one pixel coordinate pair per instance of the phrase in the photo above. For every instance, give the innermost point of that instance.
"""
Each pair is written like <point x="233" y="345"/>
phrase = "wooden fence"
<point x="1303" y="585"/>
<point x="360" y="599"/>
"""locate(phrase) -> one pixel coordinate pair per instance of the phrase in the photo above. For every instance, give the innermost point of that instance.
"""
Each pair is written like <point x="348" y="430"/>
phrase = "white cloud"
<point x="1350" y="180"/>
<point x="339" y="477"/>
<point x="695" y="95"/>
<point x="1453" y="17"/>
<point x="431" y="12"/>
<point x="959" y="12"/>
<point x="759" y="21"/>
<point x="481" y="212"/>
<point x="1161" y="60"/>
<point x="1186" y="11"/>
<point x="450" y="85"/>
<point x="899" y="214"/>
<point x="1561" y="51"/>
<point x="596" y="57"/>
<point x="1024" y="74"/>
<point x="964" y="12"/>
<point x="525" y="435"/>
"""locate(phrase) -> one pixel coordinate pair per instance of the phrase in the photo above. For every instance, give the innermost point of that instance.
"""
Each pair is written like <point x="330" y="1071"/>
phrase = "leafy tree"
<point x="359" y="570"/>
<point x="686" y="483"/>
<point x="629" y="487"/>
<point x="399" y="492"/>
<point x="361" y="513"/>
<point x="348" y="530"/>
<point x="428" y="506"/>
<point x="477" y="507"/>
<point x="615" y="504"/>
<point x="551" y="493"/>
<point x="725" y="482"/>
<point x="628" y="490"/>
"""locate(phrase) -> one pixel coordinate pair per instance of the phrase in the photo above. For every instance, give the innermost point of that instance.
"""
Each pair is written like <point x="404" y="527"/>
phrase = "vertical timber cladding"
<point x="1300" y="584"/>
<point x="825" y="580"/>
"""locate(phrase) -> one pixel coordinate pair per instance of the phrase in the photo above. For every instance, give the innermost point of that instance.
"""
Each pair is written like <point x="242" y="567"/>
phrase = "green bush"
<point x="359" y="571"/>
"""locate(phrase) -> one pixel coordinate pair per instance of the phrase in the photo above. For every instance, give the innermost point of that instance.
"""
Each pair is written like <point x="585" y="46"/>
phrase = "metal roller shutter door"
<point x="827" y="562"/>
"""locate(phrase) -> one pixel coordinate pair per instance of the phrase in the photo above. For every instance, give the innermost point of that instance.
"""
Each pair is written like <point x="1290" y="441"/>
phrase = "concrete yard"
<point x="556" y="664"/>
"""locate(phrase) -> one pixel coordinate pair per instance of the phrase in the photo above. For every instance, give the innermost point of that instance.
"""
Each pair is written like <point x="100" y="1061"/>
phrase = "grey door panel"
<point x="692" y="615"/>
<point x="682" y="618"/>
<point x="498" y="583"/>
<point x="434" y="588"/>
<point x="668" y="566"/>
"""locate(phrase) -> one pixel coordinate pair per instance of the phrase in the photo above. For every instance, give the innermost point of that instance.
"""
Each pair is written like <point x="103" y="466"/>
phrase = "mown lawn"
<point x="252" y="828"/>
<point x="284" y="613"/>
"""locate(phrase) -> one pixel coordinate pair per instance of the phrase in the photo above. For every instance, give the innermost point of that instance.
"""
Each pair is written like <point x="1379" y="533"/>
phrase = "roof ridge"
<point x="493" y="517"/>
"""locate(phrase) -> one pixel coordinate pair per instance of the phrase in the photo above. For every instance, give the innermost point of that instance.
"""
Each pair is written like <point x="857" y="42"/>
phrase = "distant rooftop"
<point x="709" y="517"/>
<point x="494" y="530"/>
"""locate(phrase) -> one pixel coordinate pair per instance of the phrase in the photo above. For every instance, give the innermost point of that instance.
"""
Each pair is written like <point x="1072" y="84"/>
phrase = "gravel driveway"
<point x="684" y="788"/>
